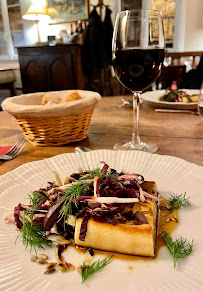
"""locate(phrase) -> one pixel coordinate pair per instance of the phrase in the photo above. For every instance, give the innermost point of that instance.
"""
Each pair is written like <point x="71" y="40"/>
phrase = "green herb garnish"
<point x="80" y="211"/>
<point x="34" y="197"/>
<point x="189" y="99"/>
<point x="170" y="97"/>
<point x="179" y="248"/>
<point x="94" y="173"/>
<point x="88" y="271"/>
<point x="97" y="173"/>
<point x="178" y="201"/>
<point x="69" y="198"/>
<point x="33" y="234"/>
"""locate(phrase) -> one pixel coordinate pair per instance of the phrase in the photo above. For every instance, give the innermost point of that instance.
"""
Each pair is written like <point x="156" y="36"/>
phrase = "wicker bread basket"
<point x="54" y="124"/>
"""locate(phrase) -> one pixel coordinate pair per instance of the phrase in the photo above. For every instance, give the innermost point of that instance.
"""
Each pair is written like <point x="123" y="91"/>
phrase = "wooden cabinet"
<point x="51" y="68"/>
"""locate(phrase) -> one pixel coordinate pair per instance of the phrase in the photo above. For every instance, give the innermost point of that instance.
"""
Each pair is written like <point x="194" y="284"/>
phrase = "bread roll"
<point x="50" y="98"/>
<point x="73" y="96"/>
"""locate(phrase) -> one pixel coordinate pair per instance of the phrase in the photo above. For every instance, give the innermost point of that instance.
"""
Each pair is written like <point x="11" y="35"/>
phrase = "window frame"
<point x="11" y="55"/>
<point x="179" y="24"/>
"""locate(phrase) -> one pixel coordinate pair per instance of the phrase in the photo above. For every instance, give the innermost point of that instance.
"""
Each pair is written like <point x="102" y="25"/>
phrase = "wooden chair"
<point x="178" y="59"/>
<point x="7" y="80"/>
<point x="170" y="74"/>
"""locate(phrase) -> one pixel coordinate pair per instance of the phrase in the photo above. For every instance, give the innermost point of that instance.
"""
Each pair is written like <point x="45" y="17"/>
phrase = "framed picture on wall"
<point x="131" y="4"/>
<point x="62" y="11"/>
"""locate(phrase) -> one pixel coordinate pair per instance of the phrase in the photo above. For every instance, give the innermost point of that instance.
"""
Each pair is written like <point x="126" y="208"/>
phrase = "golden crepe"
<point x="124" y="238"/>
<point x="193" y="98"/>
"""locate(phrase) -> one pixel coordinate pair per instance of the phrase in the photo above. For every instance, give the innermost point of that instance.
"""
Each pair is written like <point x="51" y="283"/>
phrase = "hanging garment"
<point x="97" y="44"/>
<point x="108" y="31"/>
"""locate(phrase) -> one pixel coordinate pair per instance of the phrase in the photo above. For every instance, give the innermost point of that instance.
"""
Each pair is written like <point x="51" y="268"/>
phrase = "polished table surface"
<point x="176" y="134"/>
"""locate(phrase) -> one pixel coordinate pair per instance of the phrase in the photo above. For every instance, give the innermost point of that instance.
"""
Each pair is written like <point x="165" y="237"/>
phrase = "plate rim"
<point x="99" y="150"/>
<point x="166" y="104"/>
<point x="140" y="155"/>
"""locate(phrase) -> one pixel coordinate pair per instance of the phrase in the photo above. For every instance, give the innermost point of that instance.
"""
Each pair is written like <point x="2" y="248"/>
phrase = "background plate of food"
<point x="172" y="99"/>
<point x="172" y="176"/>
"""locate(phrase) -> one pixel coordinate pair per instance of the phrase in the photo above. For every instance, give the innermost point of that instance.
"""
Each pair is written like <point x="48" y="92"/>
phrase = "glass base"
<point x="142" y="146"/>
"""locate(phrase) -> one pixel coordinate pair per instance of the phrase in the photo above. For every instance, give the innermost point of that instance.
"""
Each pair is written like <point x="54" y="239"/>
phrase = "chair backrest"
<point x="7" y="76"/>
<point x="170" y="74"/>
<point x="178" y="59"/>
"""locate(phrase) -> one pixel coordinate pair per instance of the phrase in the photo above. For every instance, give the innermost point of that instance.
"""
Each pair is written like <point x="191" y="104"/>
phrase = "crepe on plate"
<point x="124" y="238"/>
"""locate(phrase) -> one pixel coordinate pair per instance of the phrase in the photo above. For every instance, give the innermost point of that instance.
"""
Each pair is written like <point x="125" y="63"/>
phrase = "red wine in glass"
<point x="138" y="54"/>
<point x="136" y="69"/>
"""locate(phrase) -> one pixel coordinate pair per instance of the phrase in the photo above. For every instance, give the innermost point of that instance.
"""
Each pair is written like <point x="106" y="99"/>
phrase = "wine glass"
<point x="200" y="102"/>
<point x="137" y="54"/>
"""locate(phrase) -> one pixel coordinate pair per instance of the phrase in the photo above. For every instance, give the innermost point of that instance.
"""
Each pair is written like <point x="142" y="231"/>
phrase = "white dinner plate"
<point x="172" y="175"/>
<point x="153" y="98"/>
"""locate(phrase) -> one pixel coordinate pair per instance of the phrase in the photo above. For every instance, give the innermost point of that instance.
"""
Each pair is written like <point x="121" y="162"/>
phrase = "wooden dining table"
<point x="176" y="134"/>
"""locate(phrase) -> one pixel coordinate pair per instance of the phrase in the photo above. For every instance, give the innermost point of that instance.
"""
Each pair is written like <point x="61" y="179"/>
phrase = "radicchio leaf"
<point x="83" y="228"/>
<point x="17" y="210"/>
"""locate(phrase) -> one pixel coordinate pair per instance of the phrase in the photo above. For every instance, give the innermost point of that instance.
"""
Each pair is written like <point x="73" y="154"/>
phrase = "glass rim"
<point x="157" y="12"/>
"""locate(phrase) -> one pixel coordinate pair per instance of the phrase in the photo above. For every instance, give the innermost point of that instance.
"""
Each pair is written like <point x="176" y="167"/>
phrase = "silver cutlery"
<point x="81" y="149"/>
<point x="14" y="151"/>
<point x="176" y="111"/>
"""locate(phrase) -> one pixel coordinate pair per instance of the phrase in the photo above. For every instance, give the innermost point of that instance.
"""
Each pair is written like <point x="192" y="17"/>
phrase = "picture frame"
<point x="62" y="11"/>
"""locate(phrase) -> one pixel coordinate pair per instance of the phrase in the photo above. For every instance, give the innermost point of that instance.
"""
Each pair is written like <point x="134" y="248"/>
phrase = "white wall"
<point x="46" y="29"/>
<point x="193" y="40"/>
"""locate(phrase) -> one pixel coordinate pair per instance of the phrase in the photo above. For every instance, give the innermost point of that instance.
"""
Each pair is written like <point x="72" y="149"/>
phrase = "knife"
<point x="176" y="111"/>
<point x="81" y="149"/>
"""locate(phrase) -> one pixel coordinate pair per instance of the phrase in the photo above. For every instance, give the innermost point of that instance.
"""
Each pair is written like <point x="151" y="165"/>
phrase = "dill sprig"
<point x="88" y="271"/>
<point x="176" y="201"/>
<point x="33" y="234"/>
<point x="69" y="198"/>
<point x="94" y="173"/>
<point x="179" y="249"/>
<point x="97" y="173"/>
<point x="34" y="200"/>
<point x="80" y="211"/>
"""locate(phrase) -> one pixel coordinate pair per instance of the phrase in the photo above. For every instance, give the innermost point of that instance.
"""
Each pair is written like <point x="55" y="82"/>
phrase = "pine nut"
<point x="80" y="170"/>
<point x="174" y="219"/>
<point x="62" y="268"/>
<point x="50" y="270"/>
<point x="41" y="261"/>
<point x="79" y="269"/>
<point x="162" y="207"/>
<point x="168" y="219"/>
<point x="33" y="258"/>
<point x="43" y="256"/>
<point x="50" y="265"/>
<point x="52" y="197"/>
<point x="64" y="242"/>
<point x="67" y="180"/>
<point x="70" y="266"/>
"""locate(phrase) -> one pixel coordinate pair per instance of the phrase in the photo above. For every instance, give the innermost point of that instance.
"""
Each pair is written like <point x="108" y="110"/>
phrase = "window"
<point x="168" y="10"/>
<point x="11" y="28"/>
<point x="174" y="13"/>
<point x="131" y="4"/>
<point x="3" y="46"/>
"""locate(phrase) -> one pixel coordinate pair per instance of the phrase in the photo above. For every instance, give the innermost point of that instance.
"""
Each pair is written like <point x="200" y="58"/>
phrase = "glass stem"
<point x="136" y="109"/>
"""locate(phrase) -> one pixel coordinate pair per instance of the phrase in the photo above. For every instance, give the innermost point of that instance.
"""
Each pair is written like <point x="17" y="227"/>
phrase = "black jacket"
<point x="97" y="44"/>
